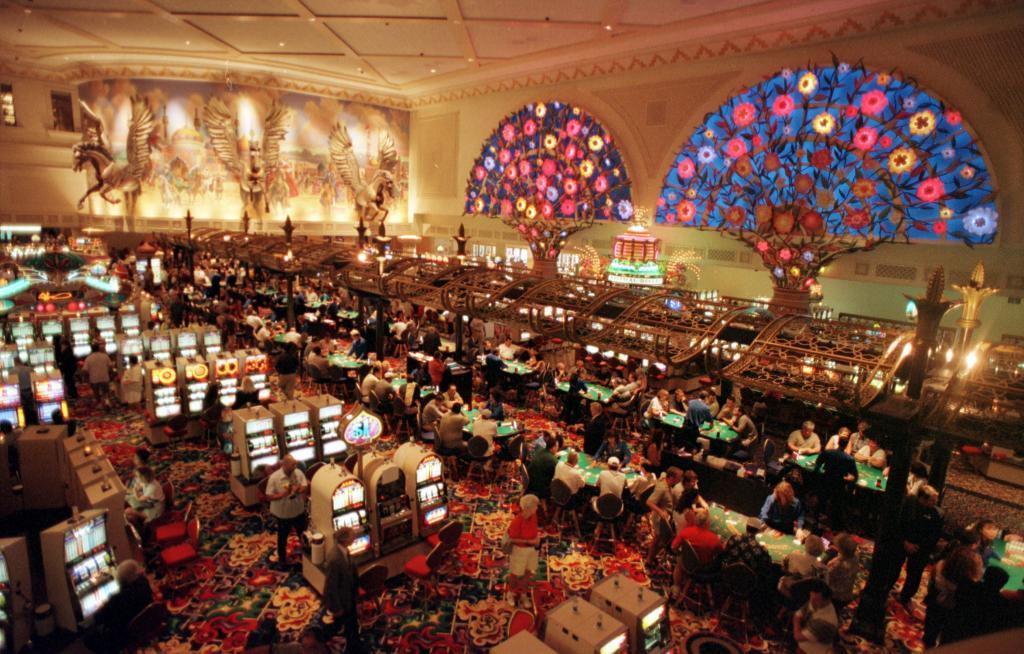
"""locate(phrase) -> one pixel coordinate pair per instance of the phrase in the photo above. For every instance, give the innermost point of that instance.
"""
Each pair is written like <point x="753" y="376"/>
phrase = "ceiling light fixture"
<point x="359" y="69"/>
<point x="608" y="27"/>
<point x="188" y="43"/>
<point x="471" y="59"/>
<point x="281" y="43"/>
<point x="312" y="19"/>
<point x="433" y="70"/>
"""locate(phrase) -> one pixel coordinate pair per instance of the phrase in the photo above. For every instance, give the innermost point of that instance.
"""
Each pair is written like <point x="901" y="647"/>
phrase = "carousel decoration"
<point x="682" y="268"/>
<point x="811" y="164"/>
<point x="374" y="196"/>
<point x="636" y="258"/>
<point x="548" y="171"/>
<point x="93" y="150"/>
<point x="263" y="158"/>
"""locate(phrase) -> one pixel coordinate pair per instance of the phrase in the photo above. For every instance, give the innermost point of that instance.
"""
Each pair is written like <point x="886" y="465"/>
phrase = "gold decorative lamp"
<point x="973" y="295"/>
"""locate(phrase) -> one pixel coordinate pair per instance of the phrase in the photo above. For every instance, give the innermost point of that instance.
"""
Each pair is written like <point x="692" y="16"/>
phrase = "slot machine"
<point x="163" y="401"/>
<point x="41" y="357"/>
<point x="296" y="430"/>
<point x="7" y="355"/>
<point x="226" y="373"/>
<point x="195" y="376"/>
<point x="157" y="344"/>
<point x="15" y="593"/>
<point x="48" y="391"/>
<point x="23" y="334"/>
<point x="130" y="323"/>
<point x="186" y="343"/>
<point x="79" y="565"/>
<point x="424" y="482"/>
<point x="338" y="499"/>
<point x="81" y="338"/>
<point x="578" y="627"/>
<point x="106" y="328"/>
<point x="126" y="347"/>
<point x="50" y="327"/>
<point x="388" y="505"/>
<point x="256" y="366"/>
<point x="210" y="339"/>
<point x="643" y="611"/>
<point x="255" y="439"/>
<point x="10" y="401"/>
<point x="325" y="411"/>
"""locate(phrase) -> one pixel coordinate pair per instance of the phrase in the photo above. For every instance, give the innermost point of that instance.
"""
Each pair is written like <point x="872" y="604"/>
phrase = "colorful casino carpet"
<point x="233" y="586"/>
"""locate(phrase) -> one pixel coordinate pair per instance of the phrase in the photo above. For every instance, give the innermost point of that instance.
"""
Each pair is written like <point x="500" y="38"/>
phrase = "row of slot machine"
<point x="390" y="501"/>
<point x="47" y="392"/>
<point x="174" y="386"/>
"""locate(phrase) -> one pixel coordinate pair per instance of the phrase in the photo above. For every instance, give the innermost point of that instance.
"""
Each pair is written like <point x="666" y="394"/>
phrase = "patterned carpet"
<point x="232" y="587"/>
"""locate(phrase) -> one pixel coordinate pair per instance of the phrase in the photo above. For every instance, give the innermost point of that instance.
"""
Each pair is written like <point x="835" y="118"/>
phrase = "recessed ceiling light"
<point x="471" y="59"/>
<point x="312" y="19"/>
<point x="433" y="70"/>
<point x="359" y="69"/>
<point x="28" y="11"/>
<point x="188" y="43"/>
<point x="608" y="27"/>
<point x="281" y="43"/>
<point x="457" y="21"/>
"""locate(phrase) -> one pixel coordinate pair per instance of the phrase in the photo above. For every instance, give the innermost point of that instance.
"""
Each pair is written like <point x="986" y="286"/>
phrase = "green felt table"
<point x="1013" y="563"/>
<point x="517" y="368"/>
<point x="590" y="469"/>
<point x="717" y="431"/>
<point x="867" y="476"/>
<point x="506" y="428"/>
<point x="348" y="314"/>
<point x="727" y="523"/>
<point x="399" y="382"/>
<point x="343" y="361"/>
<point x="595" y="392"/>
<point x="279" y="338"/>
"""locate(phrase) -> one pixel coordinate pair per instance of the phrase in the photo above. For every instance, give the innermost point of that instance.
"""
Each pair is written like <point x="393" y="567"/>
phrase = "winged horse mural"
<point x="93" y="150"/>
<point x="222" y="128"/>
<point x="374" y="197"/>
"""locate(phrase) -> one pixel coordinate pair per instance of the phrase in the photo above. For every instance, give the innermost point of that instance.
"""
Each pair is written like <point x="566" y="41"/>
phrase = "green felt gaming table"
<point x="398" y="382"/>
<point x="727" y="523"/>
<point x="517" y="368"/>
<point x="344" y="361"/>
<point x="717" y="431"/>
<point x="348" y="314"/>
<point x="595" y="392"/>
<point x="867" y="476"/>
<point x="590" y="469"/>
<point x="506" y="428"/>
<point x="1012" y="560"/>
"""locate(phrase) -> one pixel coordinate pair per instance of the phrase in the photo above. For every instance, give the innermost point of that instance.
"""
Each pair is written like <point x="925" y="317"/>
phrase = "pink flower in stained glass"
<point x="736" y="148"/>
<point x="885" y="141"/>
<point x="686" y="168"/>
<point x="573" y="127"/>
<point x="508" y="132"/>
<point x="479" y="172"/>
<point x="930" y="190"/>
<point x="953" y="117"/>
<point x="865" y="138"/>
<point x="851" y="111"/>
<point x="570" y="186"/>
<point x="510" y="172"/>
<point x="783" y="105"/>
<point x="873" y="103"/>
<point x="504" y="156"/>
<point x="547" y="210"/>
<point x="762" y="246"/>
<point x="568" y="207"/>
<point x="601" y="184"/>
<point x="506" y="207"/>
<point x="549" y="167"/>
<point x="524" y="167"/>
<point x="744" y="114"/>
<point x="542" y="183"/>
<point x="687" y="211"/>
<point x="939" y="227"/>
<point x="529" y="127"/>
<point x="570" y="151"/>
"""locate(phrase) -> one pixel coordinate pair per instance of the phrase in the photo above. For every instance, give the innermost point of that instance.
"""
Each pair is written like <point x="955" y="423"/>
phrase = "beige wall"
<point x="970" y="64"/>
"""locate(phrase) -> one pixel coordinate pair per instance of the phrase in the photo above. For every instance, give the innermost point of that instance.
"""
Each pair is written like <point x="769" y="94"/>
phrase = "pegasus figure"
<point x="93" y="150"/>
<point x="374" y="197"/>
<point x="222" y="129"/>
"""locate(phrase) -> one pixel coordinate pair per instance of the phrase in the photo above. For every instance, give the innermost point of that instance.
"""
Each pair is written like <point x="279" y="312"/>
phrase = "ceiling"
<point x="400" y="48"/>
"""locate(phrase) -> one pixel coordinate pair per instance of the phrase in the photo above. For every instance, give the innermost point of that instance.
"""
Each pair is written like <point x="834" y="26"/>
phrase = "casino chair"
<point x="145" y="627"/>
<point x="636" y="507"/>
<point x="521" y="620"/>
<point x="563" y="497"/>
<point x="448" y="535"/>
<point x="772" y="468"/>
<point x="622" y="414"/>
<point x="697" y="577"/>
<point x="401" y="418"/>
<point x="422" y="569"/>
<point x="176" y="428"/>
<point x="608" y="508"/>
<point x="371" y="587"/>
<point x="177" y="556"/>
<point x="171" y="533"/>
<point x="508" y="456"/>
<point x="134" y="543"/>
<point x="476" y="450"/>
<point x="740" y="583"/>
<point x="209" y="423"/>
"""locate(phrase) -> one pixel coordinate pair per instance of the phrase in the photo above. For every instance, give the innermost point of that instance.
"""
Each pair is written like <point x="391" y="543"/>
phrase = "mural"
<point x="185" y="172"/>
<point x="549" y="170"/>
<point x="813" y="163"/>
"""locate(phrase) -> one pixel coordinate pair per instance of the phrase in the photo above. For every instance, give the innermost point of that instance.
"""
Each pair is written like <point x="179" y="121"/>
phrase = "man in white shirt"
<point x="293" y="337"/>
<point x="872" y="454"/>
<point x="816" y="624"/>
<point x="804" y="440"/>
<point x="658" y="406"/>
<point x="97" y="365"/>
<point x="487" y="428"/>
<point x="286" y="490"/>
<point x="263" y="336"/>
<point x="567" y="472"/>
<point x="508" y="349"/>
<point x="611" y="480"/>
<point x="368" y="382"/>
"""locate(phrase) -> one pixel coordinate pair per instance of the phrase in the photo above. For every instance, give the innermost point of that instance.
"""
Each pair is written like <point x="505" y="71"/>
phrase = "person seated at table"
<point x="541" y="469"/>
<point x="385" y="394"/>
<point x="293" y="336"/>
<point x="804" y="440"/>
<point x="507" y="350"/>
<point x="727" y="411"/>
<point x="434" y="409"/>
<point x="495" y="405"/>
<point x="573" y="400"/>
<point x="431" y="341"/>
<point x="263" y="335"/>
<point x="816" y="624"/>
<point x="744" y="427"/>
<point x="486" y="427"/>
<point x="569" y="472"/>
<point x="623" y="392"/>
<point x="531" y="360"/>
<point x="360" y="348"/>
<point x="687" y="498"/>
<point x="369" y="381"/>
<point x="247" y="394"/>
<point x="782" y="510"/>
<point x="613" y="447"/>
<point x="603" y="374"/>
<point x="658" y="408"/>
<point x="146" y="501"/>
<point x="109" y="631"/>
<point x="744" y="548"/>
<point x="804" y="564"/>
<point x="660" y="505"/>
<point x="612" y="479"/>
<point x="917" y="478"/>
<point x="842" y="572"/>
<point x="833" y="442"/>
<point x="594" y="429"/>
<point x="859" y="438"/>
<point x="451" y="397"/>
<point x="704" y="542"/>
<point x="679" y="402"/>
<point x="711" y="399"/>
<point x="493" y="367"/>
<point x="872" y="454"/>
<point x="448" y="439"/>
<point x="436" y="369"/>
<point x="317" y="364"/>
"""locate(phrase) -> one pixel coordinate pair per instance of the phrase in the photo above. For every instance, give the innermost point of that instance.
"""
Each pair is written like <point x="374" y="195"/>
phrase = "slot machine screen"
<point x="187" y="342"/>
<point x="10" y="395"/>
<point x="255" y="364"/>
<point x="614" y="645"/>
<point x="130" y="324"/>
<point x="52" y="328"/>
<point x="259" y="426"/>
<point x="165" y="392"/>
<point x="78" y="325"/>
<point x="40" y="356"/>
<point x="6" y="359"/>
<point x="46" y="410"/>
<point x="296" y="419"/>
<point x="130" y="346"/>
<point x="90" y="565"/>
<point x="433" y="516"/>
<point x="428" y="469"/>
<point x="13" y="416"/>
<point x="160" y="346"/>
<point x="329" y="412"/>
<point x="211" y="342"/>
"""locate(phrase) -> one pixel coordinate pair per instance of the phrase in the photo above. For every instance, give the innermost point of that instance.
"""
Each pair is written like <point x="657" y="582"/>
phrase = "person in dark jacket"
<point x="595" y="429"/>
<point x="341" y="588"/>
<point x="109" y="633"/>
<point x="67" y="363"/>
<point x="920" y="526"/>
<point x="838" y="470"/>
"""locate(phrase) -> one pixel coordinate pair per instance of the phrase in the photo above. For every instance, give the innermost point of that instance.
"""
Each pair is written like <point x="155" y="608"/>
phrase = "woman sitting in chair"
<point x="110" y="633"/>
<point x="146" y="501"/>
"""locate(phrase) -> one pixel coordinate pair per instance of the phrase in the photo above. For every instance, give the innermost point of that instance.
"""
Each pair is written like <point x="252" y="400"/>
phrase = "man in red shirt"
<point x="705" y="543"/>
<point x="524" y="537"/>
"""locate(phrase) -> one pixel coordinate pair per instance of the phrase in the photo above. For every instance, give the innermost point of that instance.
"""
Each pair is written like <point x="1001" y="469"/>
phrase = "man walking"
<point x="341" y="587"/>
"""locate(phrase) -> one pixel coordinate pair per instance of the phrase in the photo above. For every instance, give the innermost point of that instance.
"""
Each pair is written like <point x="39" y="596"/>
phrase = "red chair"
<point x="145" y="627"/>
<point x="371" y="586"/>
<point x="521" y="620"/>
<point x="422" y="568"/>
<point x="171" y="533"/>
<point x="182" y="553"/>
<point x="177" y="428"/>
<point x="169" y="514"/>
<point x="449" y="535"/>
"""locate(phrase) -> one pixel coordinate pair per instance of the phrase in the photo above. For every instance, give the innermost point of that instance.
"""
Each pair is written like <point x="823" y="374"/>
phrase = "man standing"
<point x="341" y="587"/>
<point x="97" y="366"/>
<point x="287" y="367"/>
<point x="698" y="413"/>
<point x="286" y="490"/>
<point x="595" y="430"/>
<point x="660" y="504"/>
<point x="542" y="469"/>
<point x="920" y="526"/>
<point x="838" y="470"/>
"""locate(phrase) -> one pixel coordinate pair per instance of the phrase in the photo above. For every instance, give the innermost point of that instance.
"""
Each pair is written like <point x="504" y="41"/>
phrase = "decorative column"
<point x="188" y="232"/>
<point x="973" y="295"/>
<point x="460" y="244"/>
<point x="289" y="229"/>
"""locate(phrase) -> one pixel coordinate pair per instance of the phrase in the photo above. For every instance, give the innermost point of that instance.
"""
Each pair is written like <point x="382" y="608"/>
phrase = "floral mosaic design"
<point x="549" y="170"/>
<point x="813" y="163"/>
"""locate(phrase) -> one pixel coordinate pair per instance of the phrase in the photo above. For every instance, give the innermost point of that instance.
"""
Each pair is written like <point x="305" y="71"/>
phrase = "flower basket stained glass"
<point x="812" y="164"/>
<point x="549" y="170"/>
